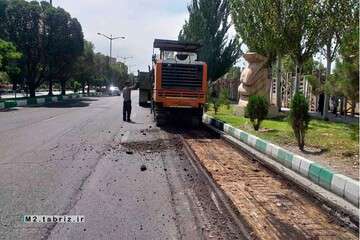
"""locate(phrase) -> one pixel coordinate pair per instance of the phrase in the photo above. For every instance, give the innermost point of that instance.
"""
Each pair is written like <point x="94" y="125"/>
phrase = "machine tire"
<point x="159" y="117"/>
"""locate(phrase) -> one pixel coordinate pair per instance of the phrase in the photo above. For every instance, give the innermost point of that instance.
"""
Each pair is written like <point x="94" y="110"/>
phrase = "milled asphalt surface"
<point x="79" y="158"/>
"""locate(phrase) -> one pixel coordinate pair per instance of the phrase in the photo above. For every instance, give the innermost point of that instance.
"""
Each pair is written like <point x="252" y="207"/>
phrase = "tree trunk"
<point x="83" y="87"/>
<point x="278" y="83"/>
<point x="63" y="90"/>
<point x="345" y="106"/>
<point x="297" y="136"/>
<point x="335" y="105"/>
<point x="341" y="106"/>
<point x="88" y="89"/>
<point x="50" y="87"/>
<point x="328" y="72"/>
<point x="297" y="76"/>
<point x="353" y="106"/>
<point x="32" y="90"/>
<point x="302" y="140"/>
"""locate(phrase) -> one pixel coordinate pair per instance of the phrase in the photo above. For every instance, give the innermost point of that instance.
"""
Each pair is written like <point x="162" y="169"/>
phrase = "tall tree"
<point x="64" y="42"/>
<point x="49" y="39"/>
<point x="8" y="57"/>
<point x="84" y="69"/>
<point x="346" y="75"/>
<point x="337" y="18"/>
<point x="208" y="24"/>
<point x="119" y="73"/>
<point x="302" y="33"/>
<point x="3" y="29"/>
<point x="74" y="47"/>
<point x="261" y="25"/>
<point x="23" y="20"/>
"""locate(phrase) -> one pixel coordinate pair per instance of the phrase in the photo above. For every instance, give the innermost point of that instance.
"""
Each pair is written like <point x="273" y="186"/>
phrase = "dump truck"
<point x="145" y="88"/>
<point x="179" y="82"/>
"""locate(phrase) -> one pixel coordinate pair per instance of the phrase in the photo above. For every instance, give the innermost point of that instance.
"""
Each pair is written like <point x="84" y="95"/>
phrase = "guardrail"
<point x="343" y="186"/>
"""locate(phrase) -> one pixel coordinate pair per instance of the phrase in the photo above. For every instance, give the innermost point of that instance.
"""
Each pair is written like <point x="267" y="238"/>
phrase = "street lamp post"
<point x="111" y="38"/>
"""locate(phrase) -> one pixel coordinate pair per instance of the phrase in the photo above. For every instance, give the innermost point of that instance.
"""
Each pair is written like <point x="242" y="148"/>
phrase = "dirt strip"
<point x="271" y="205"/>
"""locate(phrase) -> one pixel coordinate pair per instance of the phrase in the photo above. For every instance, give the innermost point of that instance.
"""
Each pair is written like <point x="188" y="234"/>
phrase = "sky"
<point x="140" y="21"/>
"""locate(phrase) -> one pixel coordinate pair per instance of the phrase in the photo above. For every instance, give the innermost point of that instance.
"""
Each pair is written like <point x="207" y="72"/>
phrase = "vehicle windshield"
<point x="171" y="55"/>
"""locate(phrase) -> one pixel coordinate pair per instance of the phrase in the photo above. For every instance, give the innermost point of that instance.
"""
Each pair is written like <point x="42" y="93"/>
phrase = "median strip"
<point x="37" y="101"/>
<point x="338" y="184"/>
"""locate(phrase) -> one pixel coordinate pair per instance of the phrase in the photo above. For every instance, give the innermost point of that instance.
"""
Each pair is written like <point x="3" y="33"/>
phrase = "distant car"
<point x="114" y="91"/>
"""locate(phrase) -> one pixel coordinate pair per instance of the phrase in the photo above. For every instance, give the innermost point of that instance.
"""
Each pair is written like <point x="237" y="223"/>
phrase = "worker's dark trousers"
<point x="126" y="110"/>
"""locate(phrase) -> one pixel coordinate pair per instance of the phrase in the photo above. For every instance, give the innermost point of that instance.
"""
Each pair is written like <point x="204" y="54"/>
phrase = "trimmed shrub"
<point x="215" y="104"/>
<point x="224" y="98"/>
<point x="214" y="99"/>
<point x="299" y="118"/>
<point x="257" y="110"/>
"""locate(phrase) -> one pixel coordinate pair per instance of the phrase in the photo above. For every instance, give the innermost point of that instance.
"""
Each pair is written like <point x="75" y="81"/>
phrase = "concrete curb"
<point x="338" y="184"/>
<point x="42" y="100"/>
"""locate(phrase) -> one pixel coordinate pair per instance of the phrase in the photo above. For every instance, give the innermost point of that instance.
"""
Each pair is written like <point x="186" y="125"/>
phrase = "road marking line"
<point x="213" y="197"/>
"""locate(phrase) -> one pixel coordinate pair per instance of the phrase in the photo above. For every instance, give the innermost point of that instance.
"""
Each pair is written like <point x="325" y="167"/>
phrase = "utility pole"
<point x="125" y="58"/>
<point x="111" y="38"/>
<point x="51" y="2"/>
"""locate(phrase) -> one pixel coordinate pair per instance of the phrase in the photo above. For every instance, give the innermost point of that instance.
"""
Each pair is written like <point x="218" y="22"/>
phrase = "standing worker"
<point x="127" y="101"/>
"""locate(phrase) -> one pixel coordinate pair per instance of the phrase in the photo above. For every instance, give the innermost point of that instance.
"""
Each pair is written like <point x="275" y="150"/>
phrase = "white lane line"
<point x="49" y="119"/>
<point x="213" y="197"/>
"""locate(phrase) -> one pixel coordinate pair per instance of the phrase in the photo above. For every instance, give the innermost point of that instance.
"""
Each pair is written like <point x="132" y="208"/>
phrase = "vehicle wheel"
<point x="160" y="122"/>
<point x="159" y="117"/>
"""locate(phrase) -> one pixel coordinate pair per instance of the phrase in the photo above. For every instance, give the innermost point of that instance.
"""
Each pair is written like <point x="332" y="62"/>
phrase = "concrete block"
<point x="244" y="137"/>
<point x="252" y="140"/>
<point x="296" y="163"/>
<point x="352" y="191"/>
<point x="261" y="145"/>
<point x="269" y="149"/>
<point x="208" y="119"/>
<point x="237" y="133"/>
<point x="285" y="158"/>
<point x="305" y="166"/>
<point x="231" y="131"/>
<point x="21" y="103"/>
<point x="226" y="128"/>
<point x="325" y="177"/>
<point x="10" y="104"/>
<point x="204" y="117"/>
<point x="40" y="100"/>
<point x="31" y="101"/>
<point x="314" y="172"/>
<point x="274" y="150"/>
<point x="338" y="184"/>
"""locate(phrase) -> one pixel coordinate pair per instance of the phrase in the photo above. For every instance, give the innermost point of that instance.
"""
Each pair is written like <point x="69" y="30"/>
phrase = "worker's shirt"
<point x="127" y="93"/>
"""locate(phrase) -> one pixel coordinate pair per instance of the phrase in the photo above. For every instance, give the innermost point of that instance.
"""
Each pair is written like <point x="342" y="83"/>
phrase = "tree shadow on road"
<point x="9" y="110"/>
<point x="74" y="103"/>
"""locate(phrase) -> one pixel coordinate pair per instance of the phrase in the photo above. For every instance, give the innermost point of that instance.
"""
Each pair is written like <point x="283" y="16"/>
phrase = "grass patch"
<point x="337" y="139"/>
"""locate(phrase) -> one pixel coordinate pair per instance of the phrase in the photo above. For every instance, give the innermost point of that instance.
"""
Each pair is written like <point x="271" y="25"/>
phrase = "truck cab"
<point x="179" y="81"/>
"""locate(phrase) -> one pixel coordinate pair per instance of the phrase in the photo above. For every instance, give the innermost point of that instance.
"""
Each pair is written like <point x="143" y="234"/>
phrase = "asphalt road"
<point x="79" y="158"/>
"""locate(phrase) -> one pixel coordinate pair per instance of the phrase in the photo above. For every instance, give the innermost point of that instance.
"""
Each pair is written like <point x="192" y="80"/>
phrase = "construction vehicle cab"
<point x="179" y="81"/>
<point x="145" y="88"/>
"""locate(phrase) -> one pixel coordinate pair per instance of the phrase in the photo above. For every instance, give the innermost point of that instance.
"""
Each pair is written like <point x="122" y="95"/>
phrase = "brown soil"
<point x="272" y="206"/>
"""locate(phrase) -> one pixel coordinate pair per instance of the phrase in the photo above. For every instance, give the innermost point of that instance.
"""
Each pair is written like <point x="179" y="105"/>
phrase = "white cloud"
<point x="140" y="21"/>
